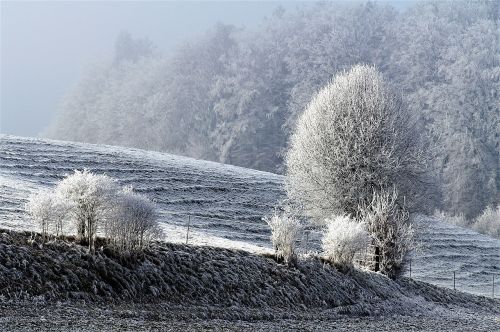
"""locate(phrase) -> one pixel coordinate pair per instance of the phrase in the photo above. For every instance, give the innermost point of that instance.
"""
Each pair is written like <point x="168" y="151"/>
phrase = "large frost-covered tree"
<point x="355" y="137"/>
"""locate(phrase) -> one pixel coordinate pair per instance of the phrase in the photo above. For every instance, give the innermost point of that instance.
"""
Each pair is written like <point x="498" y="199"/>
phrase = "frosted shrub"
<point x="285" y="230"/>
<point x="344" y="238"/>
<point x="91" y="203"/>
<point x="39" y="208"/>
<point x="389" y="225"/>
<point x="488" y="222"/>
<point x="132" y="224"/>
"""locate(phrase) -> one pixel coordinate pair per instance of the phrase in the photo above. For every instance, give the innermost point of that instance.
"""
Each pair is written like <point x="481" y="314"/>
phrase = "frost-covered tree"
<point x="388" y="222"/>
<point x="354" y="138"/>
<point x="49" y="211"/>
<point x="445" y="59"/>
<point x="39" y="208"/>
<point x="132" y="222"/>
<point x="285" y="229"/>
<point x="343" y="238"/>
<point x="117" y="101"/>
<point x="130" y="49"/>
<point x="92" y="203"/>
<point x="90" y="196"/>
<point x="465" y="119"/>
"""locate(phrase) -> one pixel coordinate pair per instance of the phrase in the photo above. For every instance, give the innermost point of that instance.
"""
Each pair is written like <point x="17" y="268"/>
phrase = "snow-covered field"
<point x="225" y="204"/>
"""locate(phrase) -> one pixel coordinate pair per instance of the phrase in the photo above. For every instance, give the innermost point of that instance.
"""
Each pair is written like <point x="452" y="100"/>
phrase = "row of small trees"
<point x="85" y="204"/>
<point x="354" y="160"/>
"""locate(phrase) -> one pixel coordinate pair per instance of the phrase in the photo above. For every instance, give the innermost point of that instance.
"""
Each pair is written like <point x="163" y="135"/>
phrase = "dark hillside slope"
<point x="206" y="276"/>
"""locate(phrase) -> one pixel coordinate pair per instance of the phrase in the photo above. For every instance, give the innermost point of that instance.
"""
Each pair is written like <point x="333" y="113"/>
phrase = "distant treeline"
<point x="234" y="95"/>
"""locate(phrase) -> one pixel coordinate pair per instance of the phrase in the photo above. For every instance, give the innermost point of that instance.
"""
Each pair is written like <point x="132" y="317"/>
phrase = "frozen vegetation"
<point x="202" y="285"/>
<point x="285" y="231"/>
<point x="356" y="151"/>
<point x="226" y="205"/>
<point x="215" y="277"/>
<point x="382" y="127"/>
<point x="234" y="94"/>
<point x="198" y="286"/>
<point x="487" y="223"/>
<point x="344" y="238"/>
<point x="165" y="317"/>
<point x="84" y="204"/>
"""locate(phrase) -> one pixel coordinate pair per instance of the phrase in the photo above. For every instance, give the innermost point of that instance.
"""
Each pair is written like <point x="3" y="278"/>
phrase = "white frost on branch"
<point x="49" y="211"/>
<point x="393" y="235"/>
<point x="285" y="229"/>
<point x="84" y="203"/>
<point x="355" y="137"/>
<point x="132" y="223"/>
<point x="90" y="195"/>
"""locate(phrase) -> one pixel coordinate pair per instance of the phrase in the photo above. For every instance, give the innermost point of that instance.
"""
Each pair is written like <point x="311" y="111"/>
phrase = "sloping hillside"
<point x="226" y="204"/>
<point x="208" y="276"/>
<point x="58" y="285"/>
<point x="446" y="248"/>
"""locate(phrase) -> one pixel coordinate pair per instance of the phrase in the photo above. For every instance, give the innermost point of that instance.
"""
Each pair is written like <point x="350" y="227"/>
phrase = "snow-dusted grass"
<point x="444" y="249"/>
<point x="208" y="276"/>
<point x="226" y="205"/>
<point x="21" y="317"/>
<point x="224" y="202"/>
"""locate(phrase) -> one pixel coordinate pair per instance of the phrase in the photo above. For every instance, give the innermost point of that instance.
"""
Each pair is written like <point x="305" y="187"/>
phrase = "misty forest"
<point x="234" y="95"/>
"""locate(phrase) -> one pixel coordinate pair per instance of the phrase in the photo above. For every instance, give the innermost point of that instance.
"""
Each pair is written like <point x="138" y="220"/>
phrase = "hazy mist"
<point x="45" y="45"/>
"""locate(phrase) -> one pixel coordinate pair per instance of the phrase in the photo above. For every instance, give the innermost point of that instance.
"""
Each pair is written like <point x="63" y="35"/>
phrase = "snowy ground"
<point x="225" y="204"/>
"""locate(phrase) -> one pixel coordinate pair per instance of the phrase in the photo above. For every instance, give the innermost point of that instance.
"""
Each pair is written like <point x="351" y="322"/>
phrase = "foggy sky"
<point x="45" y="45"/>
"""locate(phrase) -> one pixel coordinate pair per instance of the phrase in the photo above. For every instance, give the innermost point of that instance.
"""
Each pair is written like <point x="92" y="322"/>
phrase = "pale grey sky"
<point x="45" y="45"/>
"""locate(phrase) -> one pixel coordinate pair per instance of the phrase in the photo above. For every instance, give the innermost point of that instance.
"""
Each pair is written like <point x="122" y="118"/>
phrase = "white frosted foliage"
<point x="354" y="137"/>
<point x="343" y="238"/>
<point x="285" y="230"/>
